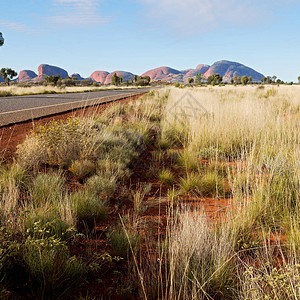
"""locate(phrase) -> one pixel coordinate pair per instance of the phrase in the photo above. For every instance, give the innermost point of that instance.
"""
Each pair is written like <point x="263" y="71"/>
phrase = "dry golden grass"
<point x="15" y="90"/>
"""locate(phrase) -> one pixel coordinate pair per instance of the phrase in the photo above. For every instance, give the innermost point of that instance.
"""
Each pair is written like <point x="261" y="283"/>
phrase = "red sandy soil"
<point x="13" y="135"/>
<point x="115" y="274"/>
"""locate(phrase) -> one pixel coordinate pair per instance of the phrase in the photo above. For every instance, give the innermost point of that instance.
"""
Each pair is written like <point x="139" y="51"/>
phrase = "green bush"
<point x="189" y="160"/>
<point x="83" y="168"/>
<point x="211" y="185"/>
<point x="190" y="183"/>
<point x="15" y="173"/>
<point x="51" y="222"/>
<point x="122" y="241"/>
<point x="40" y="268"/>
<point x="47" y="189"/>
<point x="88" y="208"/>
<point x="102" y="186"/>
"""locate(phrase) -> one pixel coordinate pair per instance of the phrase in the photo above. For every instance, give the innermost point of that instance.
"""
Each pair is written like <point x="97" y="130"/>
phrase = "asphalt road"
<point x="23" y="108"/>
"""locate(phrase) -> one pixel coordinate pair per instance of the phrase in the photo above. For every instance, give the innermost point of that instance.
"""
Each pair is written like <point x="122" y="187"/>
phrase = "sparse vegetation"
<point x="199" y="206"/>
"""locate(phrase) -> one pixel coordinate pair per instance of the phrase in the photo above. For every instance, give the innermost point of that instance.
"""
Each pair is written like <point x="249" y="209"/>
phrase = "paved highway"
<point x="23" y="108"/>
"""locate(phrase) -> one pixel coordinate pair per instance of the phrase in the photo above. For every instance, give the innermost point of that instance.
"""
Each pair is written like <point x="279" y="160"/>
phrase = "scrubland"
<point x="19" y="90"/>
<point x="182" y="194"/>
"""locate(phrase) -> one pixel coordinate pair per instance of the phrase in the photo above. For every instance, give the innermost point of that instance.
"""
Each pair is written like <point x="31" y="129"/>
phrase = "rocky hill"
<point x="26" y="75"/>
<point x="125" y="75"/>
<point x="227" y="69"/>
<point x="99" y="76"/>
<point x="76" y="75"/>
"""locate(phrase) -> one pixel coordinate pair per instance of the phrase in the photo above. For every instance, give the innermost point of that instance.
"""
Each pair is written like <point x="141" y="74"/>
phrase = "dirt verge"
<point x="13" y="135"/>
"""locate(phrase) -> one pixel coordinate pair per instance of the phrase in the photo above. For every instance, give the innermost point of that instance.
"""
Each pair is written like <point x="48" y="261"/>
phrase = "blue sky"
<point x="137" y="35"/>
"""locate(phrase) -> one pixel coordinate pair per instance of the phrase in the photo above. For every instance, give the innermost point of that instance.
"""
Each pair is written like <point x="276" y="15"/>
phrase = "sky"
<point x="83" y="36"/>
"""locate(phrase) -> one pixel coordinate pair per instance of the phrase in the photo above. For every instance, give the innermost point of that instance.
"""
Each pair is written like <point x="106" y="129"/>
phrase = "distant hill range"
<point x="227" y="69"/>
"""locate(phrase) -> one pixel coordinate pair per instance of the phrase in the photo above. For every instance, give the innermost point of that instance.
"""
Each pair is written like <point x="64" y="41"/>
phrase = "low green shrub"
<point x="102" y="186"/>
<point x="82" y="168"/>
<point x="47" y="189"/>
<point x="88" y="208"/>
<point x="123" y="241"/>
<point x="54" y="226"/>
<point x="189" y="183"/>
<point x="40" y="268"/>
<point x="211" y="185"/>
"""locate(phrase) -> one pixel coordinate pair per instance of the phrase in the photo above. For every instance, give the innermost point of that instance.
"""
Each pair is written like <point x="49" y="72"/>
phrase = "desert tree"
<point x="244" y="80"/>
<point x="299" y="79"/>
<point x="191" y="80"/>
<point x="237" y="79"/>
<point x="116" y="80"/>
<point x="52" y="80"/>
<point x="1" y="39"/>
<point x="263" y="80"/>
<point x="214" y="79"/>
<point x="198" y="79"/>
<point x="250" y="79"/>
<point x="8" y="74"/>
<point x="143" y="80"/>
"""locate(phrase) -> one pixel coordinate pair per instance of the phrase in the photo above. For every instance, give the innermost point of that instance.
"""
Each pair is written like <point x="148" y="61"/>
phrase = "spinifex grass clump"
<point x="123" y="241"/>
<point x="14" y="182"/>
<point x="88" y="208"/>
<point x="166" y="177"/>
<point x="47" y="189"/>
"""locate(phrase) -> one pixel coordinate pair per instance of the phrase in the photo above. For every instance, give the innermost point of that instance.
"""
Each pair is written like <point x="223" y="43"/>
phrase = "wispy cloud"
<point x="77" y="13"/>
<point x="196" y="16"/>
<point x="19" y="27"/>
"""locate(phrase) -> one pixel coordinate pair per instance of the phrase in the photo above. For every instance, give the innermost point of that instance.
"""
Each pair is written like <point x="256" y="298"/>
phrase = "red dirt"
<point x="115" y="274"/>
<point x="13" y="135"/>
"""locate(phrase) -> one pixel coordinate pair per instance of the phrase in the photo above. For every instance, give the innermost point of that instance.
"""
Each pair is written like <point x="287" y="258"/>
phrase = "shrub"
<point x="5" y="93"/>
<point x="13" y="182"/>
<point x="199" y="259"/>
<point x="14" y="173"/>
<point x="102" y="186"/>
<point x="190" y="183"/>
<point x="82" y="169"/>
<point x="172" y="136"/>
<point x="54" y="226"/>
<point x="40" y="268"/>
<point x="47" y="189"/>
<point x="189" y="160"/>
<point x="122" y="241"/>
<point x="88" y="208"/>
<point x="211" y="184"/>
<point x="209" y="153"/>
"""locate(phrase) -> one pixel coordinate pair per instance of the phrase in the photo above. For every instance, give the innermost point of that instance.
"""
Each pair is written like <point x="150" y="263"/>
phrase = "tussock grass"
<point x="166" y="177"/>
<point x="47" y="189"/>
<point x="250" y="142"/>
<point x="88" y="208"/>
<point x="15" y="90"/>
<point x="241" y="143"/>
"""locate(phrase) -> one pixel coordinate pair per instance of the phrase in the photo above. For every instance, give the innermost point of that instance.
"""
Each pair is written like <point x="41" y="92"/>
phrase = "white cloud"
<point x="19" y="27"/>
<point x="77" y="13"/>
<point x="196" y="16"/>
